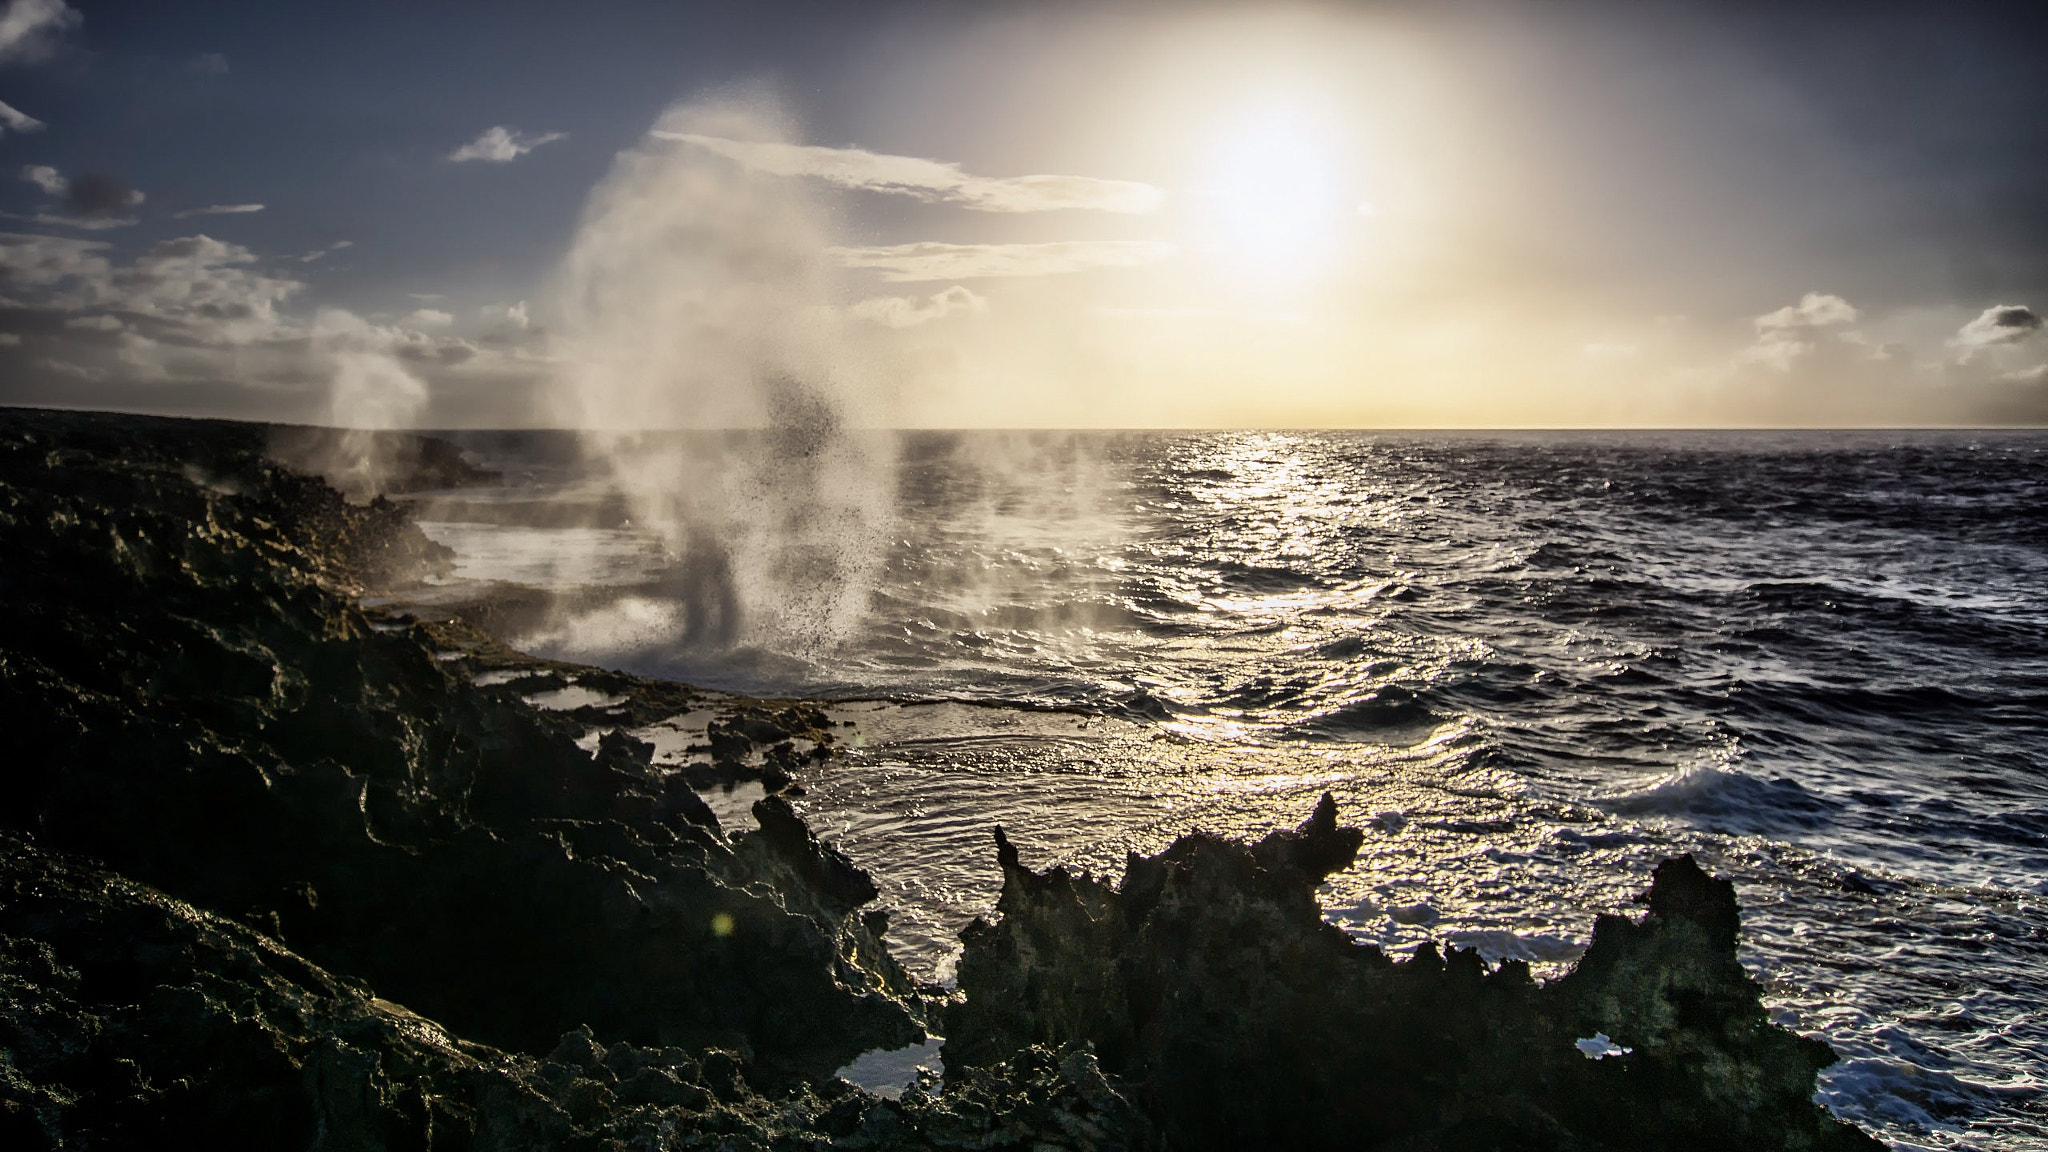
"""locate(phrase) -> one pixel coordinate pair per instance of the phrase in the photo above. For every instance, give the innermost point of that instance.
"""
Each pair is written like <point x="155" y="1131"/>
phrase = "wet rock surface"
<point x="130" y="1019"/>
<point x="1209" y="979"/>
<point x="196" y="700"/>
<point x="280" y="870"/>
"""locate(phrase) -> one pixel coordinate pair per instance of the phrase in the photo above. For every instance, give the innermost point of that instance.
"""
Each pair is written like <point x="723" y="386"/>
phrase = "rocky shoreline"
<point x="281" y="870"/>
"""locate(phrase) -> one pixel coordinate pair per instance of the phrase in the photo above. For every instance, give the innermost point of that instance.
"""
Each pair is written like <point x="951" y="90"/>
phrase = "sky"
<point x="1046" y="214"/>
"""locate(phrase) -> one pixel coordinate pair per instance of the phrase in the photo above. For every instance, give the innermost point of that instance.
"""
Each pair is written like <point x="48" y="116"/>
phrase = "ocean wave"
<point x="1714" y="792"/>
<point x="1386" y="715"/>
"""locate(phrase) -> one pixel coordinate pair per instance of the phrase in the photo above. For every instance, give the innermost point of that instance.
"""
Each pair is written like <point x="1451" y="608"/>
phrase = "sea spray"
<point x="369" y="391"/>
<point x="703" y="355"/>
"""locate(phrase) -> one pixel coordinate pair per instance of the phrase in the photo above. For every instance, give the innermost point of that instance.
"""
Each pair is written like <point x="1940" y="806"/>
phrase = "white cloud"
<point x="499" y="145"/>
<point x="934" y="261"/>
<point x="321" y="253"/>
<point x="96" y="200"/>
<point x="210" y="64"/>
<point x="910" y="311"/>
<point x="197" y="313"/>
<point x="1814" y="310"/>
<point x="1796" y="331"/>
<point x="45" y="177"/>
<point x="200" y="282"/>
<point x="195" y="284"/>
<point x="67" y="368"/>
<point x="13" y="119"/>
<point x="1998" y="324"/>
<point x="87" y="223"/>
<point x="45" y="261"/>
<point x="217" y="210"/>
<point x="10" y="339"/>
<point x="513" y="315"/>
<point x="429" y="318"/>
<point x="933" y="181"/>
<point x="27" y="27"/>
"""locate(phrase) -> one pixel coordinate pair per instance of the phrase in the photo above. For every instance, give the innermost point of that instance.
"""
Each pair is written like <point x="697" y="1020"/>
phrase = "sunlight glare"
<point x="1275" y="193"/>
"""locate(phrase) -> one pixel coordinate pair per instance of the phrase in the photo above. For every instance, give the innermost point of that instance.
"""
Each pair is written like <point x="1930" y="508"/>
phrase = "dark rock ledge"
<point x="242" y="822"/>
<point x="1209" y="981"/>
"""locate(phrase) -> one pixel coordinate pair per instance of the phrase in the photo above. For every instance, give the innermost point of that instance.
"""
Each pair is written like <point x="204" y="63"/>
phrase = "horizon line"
<point x="430" y="430"/>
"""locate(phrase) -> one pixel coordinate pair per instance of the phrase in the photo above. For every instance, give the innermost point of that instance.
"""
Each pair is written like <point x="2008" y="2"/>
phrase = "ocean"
<point x="1528" y="664"/>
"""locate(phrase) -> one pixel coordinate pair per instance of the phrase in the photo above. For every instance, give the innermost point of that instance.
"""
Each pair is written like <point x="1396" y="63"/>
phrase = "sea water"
<point x="1529" y="665"/>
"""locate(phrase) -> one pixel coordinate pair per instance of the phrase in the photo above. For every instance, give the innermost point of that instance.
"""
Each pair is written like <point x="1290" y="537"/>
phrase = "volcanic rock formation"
<point x="1209" y="980"/>
<point x="196" y="700"/>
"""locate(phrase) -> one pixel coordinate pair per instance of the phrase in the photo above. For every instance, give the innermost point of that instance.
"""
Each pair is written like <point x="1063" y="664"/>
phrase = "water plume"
<point x="370" y="392"/>
<point x="705" y="360"/>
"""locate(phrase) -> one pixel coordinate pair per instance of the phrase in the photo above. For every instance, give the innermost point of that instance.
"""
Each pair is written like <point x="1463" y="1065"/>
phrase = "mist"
<point x="701" y="355"/>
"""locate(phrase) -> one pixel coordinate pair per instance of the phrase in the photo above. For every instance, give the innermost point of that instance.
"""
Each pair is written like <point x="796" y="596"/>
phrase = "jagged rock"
<point x="197" y="700"/>
<point x="130" y="1019"/>
<point x="1209" y="981"/>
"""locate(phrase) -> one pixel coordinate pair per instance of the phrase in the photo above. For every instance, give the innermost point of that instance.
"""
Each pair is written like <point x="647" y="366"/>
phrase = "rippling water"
<point x="1531" y="664"/>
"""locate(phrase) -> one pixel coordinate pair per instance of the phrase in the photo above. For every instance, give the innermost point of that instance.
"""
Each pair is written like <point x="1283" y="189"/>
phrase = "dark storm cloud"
<point x="2000" y="324"/>
<point x="100" y="194"/>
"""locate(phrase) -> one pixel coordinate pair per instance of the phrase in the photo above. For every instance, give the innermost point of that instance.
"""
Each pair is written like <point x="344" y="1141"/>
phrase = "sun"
<point x="1273" y="195"/>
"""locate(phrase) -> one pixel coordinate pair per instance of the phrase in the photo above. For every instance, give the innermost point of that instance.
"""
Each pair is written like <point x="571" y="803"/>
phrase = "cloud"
<point x="1797" y="330"/>
<point x="935" y="261"/>
<point x="429" y="318"/>
<point x="217" y="210"/>
<point x="13" y="119"/>
<point x="321" y="253"/>
<point x="45" y="177"/>
<point x="933" y="181"/>
<point x="910" y="311"/>
<point x="100" y="194"/>
<point x="1999" y="324"/>
<point x="67" y="368"/>
<point x="28" y="28"/>
<point x="88" y="223"/>
<point x="96" y="200"/>
<point x="195" y="286"/>
<point x="1814" y="310"/>
<point x="512" y="315"/>
<point x="210" y="64"/>
<point x="44" y="261"/>
<point x="500" y="145"/>
<point x="194" y="322"/>
<point x="202" y="283"/>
